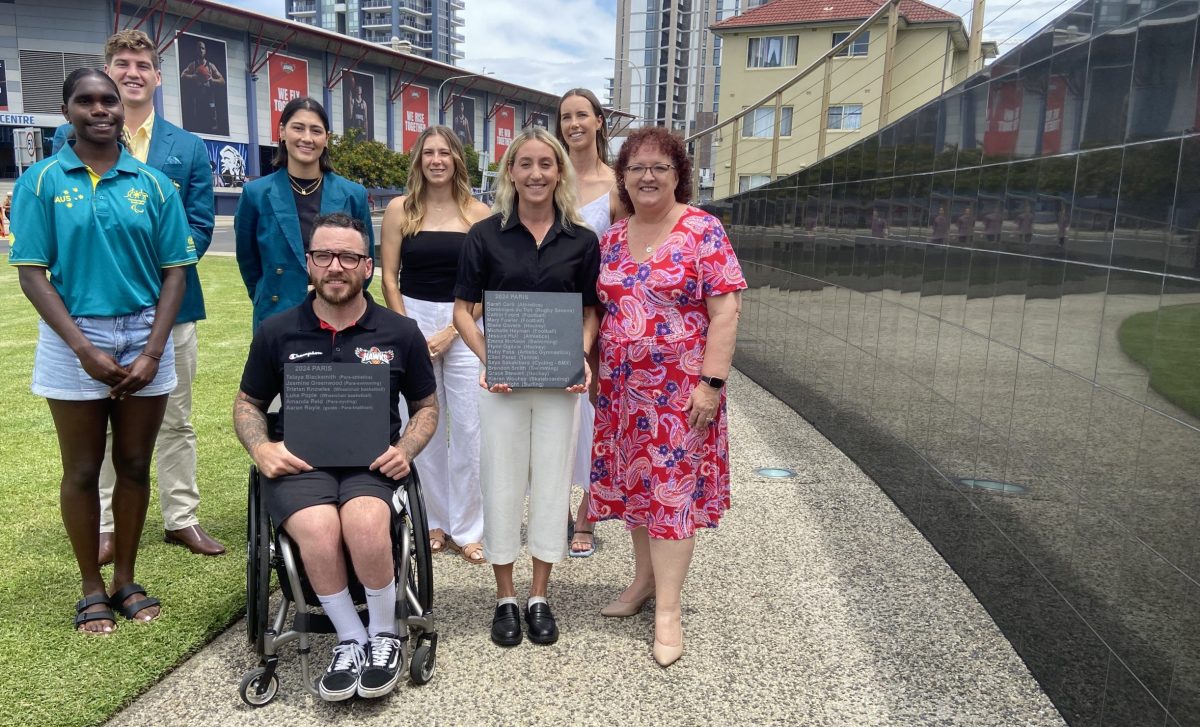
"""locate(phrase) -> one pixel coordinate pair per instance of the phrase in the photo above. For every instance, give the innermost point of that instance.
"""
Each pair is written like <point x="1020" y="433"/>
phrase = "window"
<point x="772" y="51"/>
<point x="856" y="48"/>
<point x="760" y="123"/>
<point x="845" y="117"/>
<point x="747" y="182"/>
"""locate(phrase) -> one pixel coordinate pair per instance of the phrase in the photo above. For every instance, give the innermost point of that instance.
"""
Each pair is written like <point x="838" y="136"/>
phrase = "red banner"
<point x="1004" y="119"/>
<point x="505" y="122"/>
<point x="287" y="78"/>
<point x="1056" y="103"/>
<point x="416" y="114"/>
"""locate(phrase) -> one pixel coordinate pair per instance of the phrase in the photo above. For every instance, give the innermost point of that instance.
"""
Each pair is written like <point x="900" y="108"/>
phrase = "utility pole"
<point x="975" y="47"/>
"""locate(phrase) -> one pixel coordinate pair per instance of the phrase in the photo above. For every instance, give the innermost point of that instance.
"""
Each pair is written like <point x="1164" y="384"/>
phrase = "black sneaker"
<point x="381" y="670"/>
<point x="341" y="678"/>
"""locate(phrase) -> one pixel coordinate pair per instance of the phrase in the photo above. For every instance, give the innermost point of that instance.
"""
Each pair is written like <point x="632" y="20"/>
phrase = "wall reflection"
<point x="1005" y="286"/>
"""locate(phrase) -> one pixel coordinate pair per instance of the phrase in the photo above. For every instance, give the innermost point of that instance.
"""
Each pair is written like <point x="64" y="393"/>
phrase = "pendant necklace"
<point x="305" y="190"/>
<point x="658" y="230"/>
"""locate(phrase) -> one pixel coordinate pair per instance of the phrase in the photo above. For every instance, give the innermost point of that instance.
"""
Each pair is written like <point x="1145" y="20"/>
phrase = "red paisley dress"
<point x="649" y="467"/>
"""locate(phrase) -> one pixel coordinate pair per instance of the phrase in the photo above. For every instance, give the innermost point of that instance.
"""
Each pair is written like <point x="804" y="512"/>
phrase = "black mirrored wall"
<point x="993" y="305"/>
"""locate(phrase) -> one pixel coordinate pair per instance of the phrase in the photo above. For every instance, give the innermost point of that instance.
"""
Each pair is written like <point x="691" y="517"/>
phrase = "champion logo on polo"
<point x="306" y="354"/>
<point x="374" y="356"/>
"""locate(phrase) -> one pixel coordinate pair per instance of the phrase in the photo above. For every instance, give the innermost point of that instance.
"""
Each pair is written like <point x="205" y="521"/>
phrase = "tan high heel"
<point x="667" y="655"/>
<point x="624" y="609"/>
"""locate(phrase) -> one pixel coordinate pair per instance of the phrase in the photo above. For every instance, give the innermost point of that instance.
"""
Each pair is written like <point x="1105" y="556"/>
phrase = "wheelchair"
<point x="269" y="548"/>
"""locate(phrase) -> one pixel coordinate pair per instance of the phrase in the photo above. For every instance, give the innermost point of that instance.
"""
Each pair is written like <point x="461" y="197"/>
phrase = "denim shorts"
<point x="57" y="373"/>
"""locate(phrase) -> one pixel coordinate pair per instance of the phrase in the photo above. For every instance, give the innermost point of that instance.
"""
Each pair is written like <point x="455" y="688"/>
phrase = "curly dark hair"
<point x="666" y="142"/>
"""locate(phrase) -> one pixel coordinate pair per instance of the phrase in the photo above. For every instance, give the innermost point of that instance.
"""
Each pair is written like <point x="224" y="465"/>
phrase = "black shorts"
<point x="332" y="486"/>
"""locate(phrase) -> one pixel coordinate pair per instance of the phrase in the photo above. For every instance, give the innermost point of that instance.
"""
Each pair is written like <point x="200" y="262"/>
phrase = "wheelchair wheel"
<point x="420" y="567"/>
<point x="251" y="683"/>
<point x="423" y="662"/>
<point x="258" y="564"/>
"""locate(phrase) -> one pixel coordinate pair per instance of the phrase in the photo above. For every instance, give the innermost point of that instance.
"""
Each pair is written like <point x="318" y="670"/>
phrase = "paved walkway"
<point x="815" y="603"/>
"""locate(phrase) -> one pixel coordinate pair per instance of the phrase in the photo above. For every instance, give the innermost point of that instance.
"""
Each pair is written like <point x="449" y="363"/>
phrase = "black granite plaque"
<point x="534" y="340"/>
<point x="336" y="414"/>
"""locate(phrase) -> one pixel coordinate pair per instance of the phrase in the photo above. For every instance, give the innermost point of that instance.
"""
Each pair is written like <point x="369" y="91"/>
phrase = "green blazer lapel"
<point x="333" y="196"/>
<point x="283" y="208"/>
<point x="162" y="138"/>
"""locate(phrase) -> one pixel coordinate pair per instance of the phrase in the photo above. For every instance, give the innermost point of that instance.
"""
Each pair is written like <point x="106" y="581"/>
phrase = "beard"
<point x="352" y="289"/>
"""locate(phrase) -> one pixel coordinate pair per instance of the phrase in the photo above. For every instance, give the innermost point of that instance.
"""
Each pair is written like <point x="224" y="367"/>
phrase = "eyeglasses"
<point x="324" y="258"/>
<point x="658" y="170"/>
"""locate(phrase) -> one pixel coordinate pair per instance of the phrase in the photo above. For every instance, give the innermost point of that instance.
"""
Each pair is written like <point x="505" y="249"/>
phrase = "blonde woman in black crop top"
<point x="422" y="235"/>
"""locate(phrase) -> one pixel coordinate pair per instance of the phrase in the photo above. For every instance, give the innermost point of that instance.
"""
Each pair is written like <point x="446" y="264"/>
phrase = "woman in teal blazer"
<point x="275" y="214"/>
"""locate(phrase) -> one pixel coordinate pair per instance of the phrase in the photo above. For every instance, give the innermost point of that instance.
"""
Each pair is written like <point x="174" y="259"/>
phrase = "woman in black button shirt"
<point x="421" y="240"/>
<point x="535" y="243"/>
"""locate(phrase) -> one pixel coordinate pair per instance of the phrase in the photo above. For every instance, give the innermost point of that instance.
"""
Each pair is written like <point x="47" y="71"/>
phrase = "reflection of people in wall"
<point x="879" y="226"/>
<point x="1063" y="223"/>
<point x="204" y="77"/>
<point x="358" y="109"/>
<point x="941" y="226"/>
<point x="1025" y="223"/>
<point x="462" y="124"/>
<point x="992" y="222"/>
<point x="966" y="225"/>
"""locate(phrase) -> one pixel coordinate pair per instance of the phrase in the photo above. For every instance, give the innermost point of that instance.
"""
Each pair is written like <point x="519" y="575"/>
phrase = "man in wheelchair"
<point x="324" y="510"/>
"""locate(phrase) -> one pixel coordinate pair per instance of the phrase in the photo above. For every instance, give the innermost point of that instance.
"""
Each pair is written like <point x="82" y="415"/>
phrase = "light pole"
<point x="641" y="84"/>
<point x="441" y="104"/>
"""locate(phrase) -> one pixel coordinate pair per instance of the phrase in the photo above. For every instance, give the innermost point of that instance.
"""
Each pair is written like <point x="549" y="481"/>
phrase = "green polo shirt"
<point x="106" y="239"/>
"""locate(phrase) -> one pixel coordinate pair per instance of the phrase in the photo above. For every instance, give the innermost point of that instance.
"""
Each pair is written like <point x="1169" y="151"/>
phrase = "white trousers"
<point x="582" y="471"/>
<point x="449" y="464"/>
<point x="528" y="445"/>
<point x="175" y="448"/>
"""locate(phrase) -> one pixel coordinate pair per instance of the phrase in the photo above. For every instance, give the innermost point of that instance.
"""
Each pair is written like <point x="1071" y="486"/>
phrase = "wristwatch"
<point x="712" y="381"/>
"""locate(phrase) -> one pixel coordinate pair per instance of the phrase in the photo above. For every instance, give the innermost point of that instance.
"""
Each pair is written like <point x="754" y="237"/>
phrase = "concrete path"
<point x="815" y="603"/>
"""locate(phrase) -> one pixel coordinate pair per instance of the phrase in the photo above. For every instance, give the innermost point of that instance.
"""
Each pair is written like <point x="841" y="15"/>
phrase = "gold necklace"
<point x="305" y="191"/>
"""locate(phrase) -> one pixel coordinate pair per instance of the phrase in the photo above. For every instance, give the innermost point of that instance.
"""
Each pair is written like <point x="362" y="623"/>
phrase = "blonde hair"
<point x="564" y="191"/>
<point x="414" y="200"/>
<point x="130" y="39"/>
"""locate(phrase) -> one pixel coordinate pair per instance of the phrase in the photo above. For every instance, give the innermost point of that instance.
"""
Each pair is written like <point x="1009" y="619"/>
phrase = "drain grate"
<point x="778" y="472"/>
<point x="999" y="488"/>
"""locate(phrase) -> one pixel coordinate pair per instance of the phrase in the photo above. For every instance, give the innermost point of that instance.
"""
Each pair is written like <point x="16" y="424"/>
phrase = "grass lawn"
<point x="1167" y="343"/>
<point x="50" y="675"/>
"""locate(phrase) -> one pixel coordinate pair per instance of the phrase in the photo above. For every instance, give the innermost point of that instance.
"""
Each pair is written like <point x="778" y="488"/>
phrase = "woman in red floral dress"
<point x="669" y="283"/>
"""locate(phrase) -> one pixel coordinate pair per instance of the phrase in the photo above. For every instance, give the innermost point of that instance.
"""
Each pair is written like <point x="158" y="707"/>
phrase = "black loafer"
<point x="542" y="628"/>
<point x="506" y="625"/>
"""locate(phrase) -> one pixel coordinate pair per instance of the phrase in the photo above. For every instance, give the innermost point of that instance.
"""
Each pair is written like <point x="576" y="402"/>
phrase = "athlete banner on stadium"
<point x="3" y="88"/>
<point x="416" y="114"/>
<point x="505" y="121"/>
<point x="540" y="120"/>
<point x="203" y="93"/>
<point x="287" y="78"/>
<point x="358" y="103"/>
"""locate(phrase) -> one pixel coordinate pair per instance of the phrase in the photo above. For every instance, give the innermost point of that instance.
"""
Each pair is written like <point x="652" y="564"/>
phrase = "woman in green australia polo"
<point x="101" y="241"/>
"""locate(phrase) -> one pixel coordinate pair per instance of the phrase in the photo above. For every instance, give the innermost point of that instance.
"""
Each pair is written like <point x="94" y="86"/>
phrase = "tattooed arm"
<point x="422" y="421"/>
<point x="272" y="458"/>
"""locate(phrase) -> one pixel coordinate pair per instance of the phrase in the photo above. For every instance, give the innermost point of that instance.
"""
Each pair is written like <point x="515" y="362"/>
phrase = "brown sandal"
<point x="471" y="552"/>
<point x="437" y="540"/>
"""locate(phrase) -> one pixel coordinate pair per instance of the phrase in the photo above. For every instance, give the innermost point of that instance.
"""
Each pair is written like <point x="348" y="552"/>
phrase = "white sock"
<point x="536" y="599"/>
<point x="339" y="607"/>
<point x="506" y="599"/>
<point x="381" y="605"/>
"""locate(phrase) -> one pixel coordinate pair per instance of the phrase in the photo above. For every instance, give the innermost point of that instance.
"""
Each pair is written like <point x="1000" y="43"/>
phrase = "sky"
<point x="565" y="44"/>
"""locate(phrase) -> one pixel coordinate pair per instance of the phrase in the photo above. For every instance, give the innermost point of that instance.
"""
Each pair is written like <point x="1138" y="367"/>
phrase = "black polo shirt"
<point x="506" y="257"/>
<point x="297" y="336"/>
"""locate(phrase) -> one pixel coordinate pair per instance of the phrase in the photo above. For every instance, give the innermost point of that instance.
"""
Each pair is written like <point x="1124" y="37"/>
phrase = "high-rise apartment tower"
<point x="432" y="28"/>
<point x="667" y="68"/>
